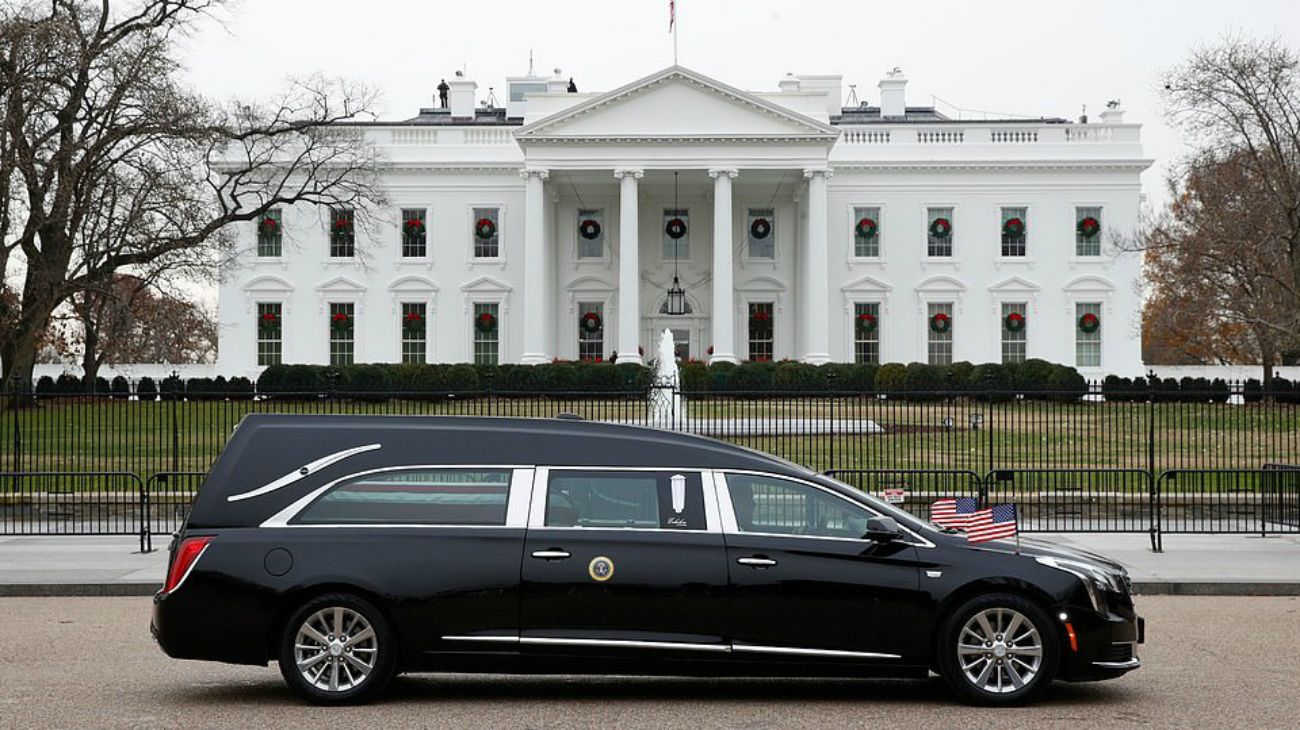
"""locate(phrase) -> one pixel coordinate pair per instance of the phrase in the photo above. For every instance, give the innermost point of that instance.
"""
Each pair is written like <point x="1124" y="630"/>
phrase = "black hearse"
<point x="349" y="548"/>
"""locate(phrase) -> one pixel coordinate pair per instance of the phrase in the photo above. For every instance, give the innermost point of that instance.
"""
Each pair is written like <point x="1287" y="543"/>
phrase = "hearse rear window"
<point x="416" y="497"/>
<point x="648" y="500"/>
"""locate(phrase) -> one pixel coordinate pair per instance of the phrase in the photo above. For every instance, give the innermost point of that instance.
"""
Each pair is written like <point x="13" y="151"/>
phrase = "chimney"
<point x="893" y="101"/>
<point x="1114" y="113"/>
<point x="461" y="96"/>
<point x="789" y="84"/>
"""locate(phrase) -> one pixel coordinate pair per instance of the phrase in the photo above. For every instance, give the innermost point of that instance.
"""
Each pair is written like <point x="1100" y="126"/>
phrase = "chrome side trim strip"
<point x="756" y="649"/>
<point x="626" y="643"/>
<point x="496" y="639"/>
<point x="1133" y="663"/>
<point x="303" y="472"/>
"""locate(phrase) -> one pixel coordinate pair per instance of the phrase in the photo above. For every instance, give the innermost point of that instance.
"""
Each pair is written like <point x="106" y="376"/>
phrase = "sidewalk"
<point x="1233" y="565"/>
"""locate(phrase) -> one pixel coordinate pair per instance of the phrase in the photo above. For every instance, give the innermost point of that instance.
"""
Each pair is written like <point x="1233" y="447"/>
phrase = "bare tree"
<point x="108" y="164"/>
<point x="1239" y="101"/>
<point x="1220" y="283"/>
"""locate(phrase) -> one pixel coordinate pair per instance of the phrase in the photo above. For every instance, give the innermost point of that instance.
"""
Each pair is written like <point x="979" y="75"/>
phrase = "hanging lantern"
<point x="675" y="303"/>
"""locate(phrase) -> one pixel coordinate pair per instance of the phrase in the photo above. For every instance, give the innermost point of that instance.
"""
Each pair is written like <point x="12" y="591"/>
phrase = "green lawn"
<point x="139" y="437"/>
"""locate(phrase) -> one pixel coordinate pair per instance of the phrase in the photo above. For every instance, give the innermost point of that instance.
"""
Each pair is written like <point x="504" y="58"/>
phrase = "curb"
<point x="1140" y="588"/>
<point x="62" y="590"/>
<point x="1216" y="588"/>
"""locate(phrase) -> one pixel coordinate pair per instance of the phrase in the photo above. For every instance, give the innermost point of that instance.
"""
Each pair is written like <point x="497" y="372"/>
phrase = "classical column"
<point x="534" y="268"/>
<point x="724" y="295"/>
<point x="629" y="268"/>
<point x="815" y="319"/>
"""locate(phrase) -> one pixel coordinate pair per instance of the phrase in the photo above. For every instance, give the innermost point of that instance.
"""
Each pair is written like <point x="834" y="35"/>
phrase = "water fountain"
<point x="667" y="409"/>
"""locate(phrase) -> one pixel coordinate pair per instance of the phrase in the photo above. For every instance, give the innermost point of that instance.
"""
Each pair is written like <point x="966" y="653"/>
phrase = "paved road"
<point x="89" y="662"/>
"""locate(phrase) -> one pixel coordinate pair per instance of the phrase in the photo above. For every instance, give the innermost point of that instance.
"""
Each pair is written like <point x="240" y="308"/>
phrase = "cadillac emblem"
<point x="600" y="568"/>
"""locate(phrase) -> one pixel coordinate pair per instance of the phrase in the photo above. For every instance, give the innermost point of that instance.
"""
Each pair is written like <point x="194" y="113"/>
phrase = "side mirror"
<point x="883" y="529"/>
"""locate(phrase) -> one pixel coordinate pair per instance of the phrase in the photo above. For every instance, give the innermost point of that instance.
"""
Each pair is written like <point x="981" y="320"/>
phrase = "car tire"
<point x="337" y="649"/>
<point x="998" y="649"/>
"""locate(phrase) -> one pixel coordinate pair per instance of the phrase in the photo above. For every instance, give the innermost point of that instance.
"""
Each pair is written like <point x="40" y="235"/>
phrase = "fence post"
<point x="176" y="428"/>
<point x="16" y="459"/>
<point x="1157" y="540"/>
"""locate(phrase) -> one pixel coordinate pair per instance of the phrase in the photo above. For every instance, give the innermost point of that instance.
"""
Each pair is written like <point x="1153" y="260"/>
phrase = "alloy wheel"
<point x="335" y="649"/>
<point x="999" y="650"/>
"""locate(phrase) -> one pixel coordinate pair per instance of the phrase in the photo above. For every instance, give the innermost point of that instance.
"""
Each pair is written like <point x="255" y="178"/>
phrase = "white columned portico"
<point x="629" y="267"/>
<point x="534" y="268"/>
<point x="724" y="297"/>
<point x="815" y="317"/>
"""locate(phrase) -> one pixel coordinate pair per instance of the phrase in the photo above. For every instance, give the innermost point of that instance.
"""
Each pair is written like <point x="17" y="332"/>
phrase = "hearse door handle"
<point x="757" y="561"/>
<point x="552" y="554"/>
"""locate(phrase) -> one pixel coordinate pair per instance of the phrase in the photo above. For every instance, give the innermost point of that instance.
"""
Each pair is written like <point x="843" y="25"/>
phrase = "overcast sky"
<point x="1041" y="57"/>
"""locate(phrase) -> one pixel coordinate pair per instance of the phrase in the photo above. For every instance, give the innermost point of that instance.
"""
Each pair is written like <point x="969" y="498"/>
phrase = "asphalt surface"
<point x="89" y="662"/>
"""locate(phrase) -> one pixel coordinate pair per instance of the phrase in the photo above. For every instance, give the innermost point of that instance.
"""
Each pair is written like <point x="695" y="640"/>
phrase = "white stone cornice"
<point x="975" y="165"/>
<point x="825" y="172"/>
<point x="540" y="172"/>
<point x="635" y="172"/>
<point x="730" y="172"/>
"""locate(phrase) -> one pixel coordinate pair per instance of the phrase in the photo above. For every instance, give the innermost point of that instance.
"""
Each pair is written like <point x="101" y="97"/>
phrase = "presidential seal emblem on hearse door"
<point x="600" y="568"/>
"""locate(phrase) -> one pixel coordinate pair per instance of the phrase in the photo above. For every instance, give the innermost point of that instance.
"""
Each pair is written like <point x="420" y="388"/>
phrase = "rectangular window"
<point x="761" y="331"/>
<point x="866" y="233"/>
<point x="939" y="333"/>
<point x="591" y="233"/>
<point x="343" y="238"/>
<point x="938" y="236"/>
<point x="591" y="331"/>
<point x="1087" y="238"/>
<point x="417" y="497"/>
<point x="415" y="332"/>
<point x="613" y="499"/>
<point x="270" y="333"/>
<point x="487" y="233"/>
<point x="415" y="236"/>
<point x="343" y="330"/>
<point x="270" y="234"/>
<point x="1087" y="345"/>
<point x="1014" y="332"/>
<point x="760" y="227"/>
<point x="778" y="506"/>
<point x="866" y="333"/>
<point x="487" y="328"/>
<point x="1015" y="228"/>
<point x="679" y="248"/>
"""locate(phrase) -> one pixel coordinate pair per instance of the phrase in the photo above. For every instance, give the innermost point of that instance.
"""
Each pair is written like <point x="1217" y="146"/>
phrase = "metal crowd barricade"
<point x="72" y="503"/>
<point x="165" y="503"/>
<point x="1079" y="500"/>
<point x="919" y="487"/>
<point x="1230" y="501"/>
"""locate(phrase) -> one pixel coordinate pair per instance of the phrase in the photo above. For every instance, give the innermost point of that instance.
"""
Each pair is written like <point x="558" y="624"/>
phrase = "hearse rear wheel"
<point x="337" y="649"/>
<point x="998" y="649"/>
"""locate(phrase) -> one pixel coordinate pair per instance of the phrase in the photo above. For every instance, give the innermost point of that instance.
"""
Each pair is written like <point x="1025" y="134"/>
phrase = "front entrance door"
<point x="622" y="559"/>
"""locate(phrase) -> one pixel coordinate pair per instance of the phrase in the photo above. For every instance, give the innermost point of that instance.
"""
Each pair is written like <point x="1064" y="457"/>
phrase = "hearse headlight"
<point x="1096" y="580"/>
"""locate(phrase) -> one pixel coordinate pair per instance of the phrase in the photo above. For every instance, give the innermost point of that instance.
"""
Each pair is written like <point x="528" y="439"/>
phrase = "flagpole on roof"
<point x="672" y="26"/>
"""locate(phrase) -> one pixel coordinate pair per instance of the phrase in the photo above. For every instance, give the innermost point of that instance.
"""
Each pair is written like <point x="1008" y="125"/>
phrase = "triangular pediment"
<point x="486" y="284"/>
<point x="1014" y="284"/>
<point x="341" y="285"/>
<point x="677" y="104"/>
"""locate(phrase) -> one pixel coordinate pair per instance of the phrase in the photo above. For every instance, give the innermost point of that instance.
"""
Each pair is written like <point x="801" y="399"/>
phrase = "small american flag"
<point x="955" y="513"/>
<point x="994" y="523"/>
<point x="672" y="14"/>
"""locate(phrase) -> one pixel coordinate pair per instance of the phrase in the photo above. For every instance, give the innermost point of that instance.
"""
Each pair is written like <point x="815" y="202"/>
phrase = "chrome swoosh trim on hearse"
<point x="303" y="471"/>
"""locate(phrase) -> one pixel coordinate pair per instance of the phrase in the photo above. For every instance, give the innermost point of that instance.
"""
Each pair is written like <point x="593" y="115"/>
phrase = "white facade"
<point x="679" y="140"/>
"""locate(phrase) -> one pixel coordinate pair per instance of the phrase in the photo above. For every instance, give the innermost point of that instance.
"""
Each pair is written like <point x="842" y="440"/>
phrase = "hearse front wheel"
<point x="337" y="649"/>
<point x="998" y="649"/>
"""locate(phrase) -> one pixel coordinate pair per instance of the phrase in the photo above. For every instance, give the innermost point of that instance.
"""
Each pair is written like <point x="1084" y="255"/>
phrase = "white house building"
<point x="555" y="227"/>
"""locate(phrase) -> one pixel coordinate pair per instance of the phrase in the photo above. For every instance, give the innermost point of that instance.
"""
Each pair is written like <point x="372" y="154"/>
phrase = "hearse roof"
<point x="269" y="448"/>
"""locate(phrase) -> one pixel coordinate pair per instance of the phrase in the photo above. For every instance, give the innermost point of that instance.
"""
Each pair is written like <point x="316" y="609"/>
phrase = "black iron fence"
<point x="1076" y="460"/>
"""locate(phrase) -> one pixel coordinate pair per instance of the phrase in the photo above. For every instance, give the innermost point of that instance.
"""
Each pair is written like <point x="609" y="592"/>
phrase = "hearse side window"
<point x="415" y="497"/>
<point x="782" y="507"/>
<point x="651" y="500"/>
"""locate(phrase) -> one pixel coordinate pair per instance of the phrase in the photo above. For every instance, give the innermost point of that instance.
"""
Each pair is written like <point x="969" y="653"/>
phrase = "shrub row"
<point x="171" y="388"/>
<point x="1194" y="390"/>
